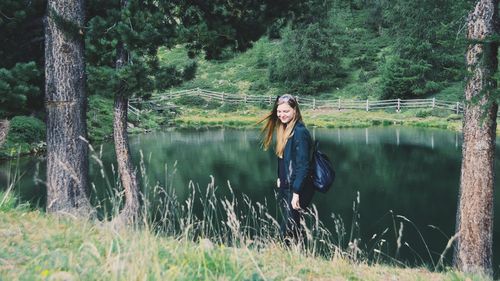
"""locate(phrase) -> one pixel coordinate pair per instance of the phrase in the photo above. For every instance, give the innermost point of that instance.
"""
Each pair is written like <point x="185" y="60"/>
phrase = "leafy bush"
<point x="26" y="129"/>
<point x="362" y="76"/>
<point x="261" y="60"/>
<point x="189" y="71"/>
<point x="360" y="90"/>
<point x="191" y="101"/>
<point x="26" y="134"/>
<point x="259" y="86"/>
<point x="231" y="107"/>
<point x="436" y="112"/>
<point x="423" y="113"/>
<point x="212" y="104"/>
<point x="454" y="117"/>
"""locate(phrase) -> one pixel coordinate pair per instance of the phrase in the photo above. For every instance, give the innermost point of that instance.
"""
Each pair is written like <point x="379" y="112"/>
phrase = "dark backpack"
<point x="322" y="171"/>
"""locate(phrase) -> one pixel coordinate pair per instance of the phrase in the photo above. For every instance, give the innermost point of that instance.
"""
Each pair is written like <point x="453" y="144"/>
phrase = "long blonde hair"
<point x="283" y="131"/>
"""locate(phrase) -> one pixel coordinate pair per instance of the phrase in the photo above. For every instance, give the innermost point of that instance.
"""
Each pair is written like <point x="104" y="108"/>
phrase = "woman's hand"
<point x="295" y="201"/>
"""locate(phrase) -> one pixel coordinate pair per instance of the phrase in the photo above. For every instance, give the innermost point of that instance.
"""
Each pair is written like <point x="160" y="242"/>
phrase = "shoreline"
<point x="195" y="118"/>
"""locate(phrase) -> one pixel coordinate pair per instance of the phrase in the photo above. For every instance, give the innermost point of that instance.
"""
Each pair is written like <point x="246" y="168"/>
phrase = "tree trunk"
<point x="473" y="252"/>
<point x="4" y="130"/>
<point x="67" y="152"/>
<point x="130" y="212"/>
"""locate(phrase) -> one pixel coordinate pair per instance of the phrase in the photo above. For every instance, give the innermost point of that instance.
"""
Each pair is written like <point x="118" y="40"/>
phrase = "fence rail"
<point x="167" y="100"/>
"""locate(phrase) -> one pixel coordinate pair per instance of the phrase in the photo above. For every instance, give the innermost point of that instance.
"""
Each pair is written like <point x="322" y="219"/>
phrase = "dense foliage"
<point x="308" y="61"/>
<point x="428" y="52"/>
<point x="20" y="91"/>
<point x="26" y="135"/>
<point x="21" y="54"/>
<point x="360" y="48"/>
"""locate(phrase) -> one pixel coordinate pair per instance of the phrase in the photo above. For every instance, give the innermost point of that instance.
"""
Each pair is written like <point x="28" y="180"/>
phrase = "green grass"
<point x="37" y="246"/>
<point x="7" y="201"/>
<point x="229" y="240"/>
<point x="247" y="73"/>
<point x="244" y="73"/>
<point x="249" y="116"/>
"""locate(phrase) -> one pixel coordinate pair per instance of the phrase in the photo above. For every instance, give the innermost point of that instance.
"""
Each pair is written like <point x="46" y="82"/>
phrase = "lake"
<point x="393" y="175"/>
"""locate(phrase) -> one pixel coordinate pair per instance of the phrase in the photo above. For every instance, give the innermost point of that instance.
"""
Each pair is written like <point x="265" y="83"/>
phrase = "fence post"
<point x="458" y="106"/>
<point x="222" y="96"/>
<point x="270" y="100"/>
<point x="339" y="103"/>
<point x="314" y="103"/>
<point x="433" y="102"/>
<point x="245" y="98"/>
<point x="398" y="109"/>
<point x="367" y="106"/>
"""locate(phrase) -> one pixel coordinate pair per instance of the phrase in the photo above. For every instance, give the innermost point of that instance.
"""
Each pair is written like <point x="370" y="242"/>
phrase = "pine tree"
<point x="473" y="251"/>
<point x="309" y="57"/>
<point x="21" y="74"/>
<point x="67" y="150"/>
<point x="426" y="48"/>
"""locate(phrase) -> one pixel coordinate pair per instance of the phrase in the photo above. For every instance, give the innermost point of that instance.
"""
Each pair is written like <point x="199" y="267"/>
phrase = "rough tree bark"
<point x="67" y="153"/>
<point x="130" y="211"/>
<point x="473" y="251"/>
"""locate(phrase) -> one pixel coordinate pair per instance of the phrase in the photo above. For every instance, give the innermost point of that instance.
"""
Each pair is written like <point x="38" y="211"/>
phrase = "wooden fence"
<point x="167" y="100"/>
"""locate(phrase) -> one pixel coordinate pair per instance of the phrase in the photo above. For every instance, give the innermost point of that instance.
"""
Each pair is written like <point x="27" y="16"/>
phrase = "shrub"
<point x="440" y="112"/>
<point x="191" y="101"/>
<point x="423" y="113"/>
<point x="432" y="112"/>
<point x="26" y="134"/>
<point x="26" y="129"/>
<point x="230" y="107"/>
<point x="189" y="71"/>
<point x="454" y="117"/>
<point x="212" y="104"/>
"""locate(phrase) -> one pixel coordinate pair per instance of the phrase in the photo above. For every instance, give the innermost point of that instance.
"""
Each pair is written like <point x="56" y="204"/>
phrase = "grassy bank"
<point x="100" y="122"/>
<point x="248" y="117"/>
<point x="36" y="246"/>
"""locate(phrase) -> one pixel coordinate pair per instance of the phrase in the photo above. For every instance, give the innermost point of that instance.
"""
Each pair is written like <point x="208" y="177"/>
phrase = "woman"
<point x="293" y="147"/>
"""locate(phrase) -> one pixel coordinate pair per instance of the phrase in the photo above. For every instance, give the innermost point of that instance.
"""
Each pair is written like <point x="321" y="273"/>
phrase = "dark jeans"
<point x="290" y="223"/>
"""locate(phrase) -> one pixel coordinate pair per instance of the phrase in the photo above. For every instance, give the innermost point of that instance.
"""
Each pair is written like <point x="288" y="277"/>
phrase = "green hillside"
<point x="373" y="63"/>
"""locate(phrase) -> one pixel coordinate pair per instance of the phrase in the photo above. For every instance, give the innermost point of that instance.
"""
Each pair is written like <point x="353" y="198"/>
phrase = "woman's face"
<point x="285" y="113"/>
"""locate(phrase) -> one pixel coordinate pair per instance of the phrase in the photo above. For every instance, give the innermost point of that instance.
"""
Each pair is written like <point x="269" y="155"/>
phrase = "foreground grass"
<point x="36" y="246"/>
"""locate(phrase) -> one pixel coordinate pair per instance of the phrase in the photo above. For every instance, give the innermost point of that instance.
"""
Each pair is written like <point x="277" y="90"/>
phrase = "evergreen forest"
<point x="354" y="49"/>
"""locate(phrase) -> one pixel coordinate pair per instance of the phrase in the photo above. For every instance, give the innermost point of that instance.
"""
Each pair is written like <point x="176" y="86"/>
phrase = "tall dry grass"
<point x="229" y="239"/>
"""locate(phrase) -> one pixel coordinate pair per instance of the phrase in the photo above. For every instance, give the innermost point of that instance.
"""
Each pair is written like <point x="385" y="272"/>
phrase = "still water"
<point x="406" y="176"/>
